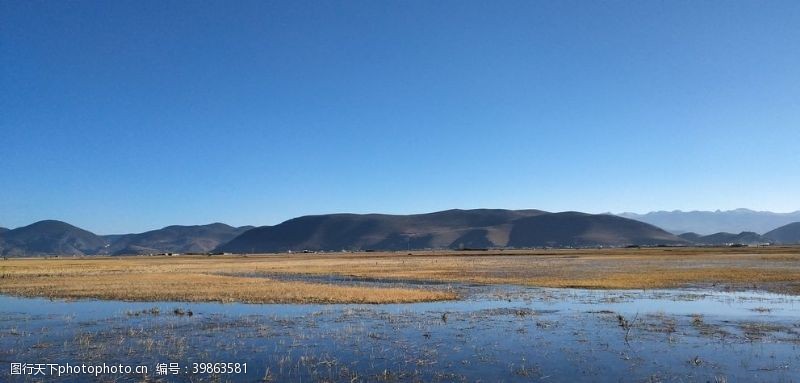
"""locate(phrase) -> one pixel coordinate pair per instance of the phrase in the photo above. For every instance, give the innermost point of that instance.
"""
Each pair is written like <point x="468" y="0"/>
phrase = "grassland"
<point x="230" y="278"/>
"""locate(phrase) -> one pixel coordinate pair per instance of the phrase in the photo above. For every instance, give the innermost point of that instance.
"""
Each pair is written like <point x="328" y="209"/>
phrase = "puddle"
<point x="495" y="333"/>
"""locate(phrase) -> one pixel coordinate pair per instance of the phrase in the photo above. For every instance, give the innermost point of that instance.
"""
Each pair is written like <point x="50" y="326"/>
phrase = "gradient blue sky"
<point x="122" y="116"/>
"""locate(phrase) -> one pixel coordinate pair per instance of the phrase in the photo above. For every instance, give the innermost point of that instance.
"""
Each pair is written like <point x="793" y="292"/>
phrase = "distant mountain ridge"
<point x="450" y="229"/>
<point x="710" y="222"/>
<point x="175" y="239"/>
<point x="726" y="239"/>
<point x="380" y="231"/>
<point x="52" y="237"/>
<point x="582" y="230"/>
<point x="49" y="237"/>
<point x="784" y="235"/>
<point x="789" y="234"/>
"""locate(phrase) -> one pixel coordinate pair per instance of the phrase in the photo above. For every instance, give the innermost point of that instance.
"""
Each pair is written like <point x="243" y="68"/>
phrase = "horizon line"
<point x="401" y="214"/>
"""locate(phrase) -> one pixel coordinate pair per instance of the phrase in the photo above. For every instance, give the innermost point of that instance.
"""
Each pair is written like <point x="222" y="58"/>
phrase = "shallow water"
<point x="496" y="333"/>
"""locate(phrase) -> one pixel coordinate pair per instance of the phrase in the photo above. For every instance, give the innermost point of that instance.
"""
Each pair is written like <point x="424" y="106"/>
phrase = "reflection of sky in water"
<point x="561" y="335"/>
<point x="735" y="305"/>
<point x="678" y="302"/>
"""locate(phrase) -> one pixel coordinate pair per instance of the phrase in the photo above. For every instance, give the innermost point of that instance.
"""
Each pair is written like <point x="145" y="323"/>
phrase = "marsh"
<point x="478" y="331"/>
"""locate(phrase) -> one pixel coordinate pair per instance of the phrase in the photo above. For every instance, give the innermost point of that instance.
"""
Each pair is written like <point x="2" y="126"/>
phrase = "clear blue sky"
<point x="122" y="116"/>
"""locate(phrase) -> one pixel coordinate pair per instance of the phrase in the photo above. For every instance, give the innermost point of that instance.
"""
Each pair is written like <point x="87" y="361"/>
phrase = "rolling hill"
<point x="175" y="239"/>
<point x="450" y="229"/>
<point x="59" y="238"/>
<point x="443" y="229"/>
<point x="788" y="234"/>
<point x="453" y="229"/>
<point x="49" y="238"/>
<point x="690" y="236"/>
<point x="724" y="239"/>
<point x="580" y="230"/>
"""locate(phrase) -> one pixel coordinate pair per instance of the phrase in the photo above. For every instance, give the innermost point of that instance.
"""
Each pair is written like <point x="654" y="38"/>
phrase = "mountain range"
<point x="787" y="234"/>
<point x="722" y="238"/>
<point x="450" y="229"/>
<point x="51" y="237"/>
<point x="710" y="222"/>
<point x="175" y="239"/>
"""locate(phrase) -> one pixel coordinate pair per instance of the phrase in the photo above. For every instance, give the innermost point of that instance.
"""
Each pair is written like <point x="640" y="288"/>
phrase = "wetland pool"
<point x="493" y="334"/>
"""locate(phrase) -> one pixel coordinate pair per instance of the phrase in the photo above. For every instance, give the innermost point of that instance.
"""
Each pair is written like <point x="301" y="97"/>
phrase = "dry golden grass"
<point x="192" y="287"/>
<point x="219" y="278"/>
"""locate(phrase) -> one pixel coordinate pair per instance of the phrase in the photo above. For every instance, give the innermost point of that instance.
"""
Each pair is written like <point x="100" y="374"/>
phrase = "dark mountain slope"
<point x="691" y="236"/>
<point x="789" y="234"/>
<point x="473" y="239"/>
<point x="178" y="239"/>
<point x="580" y="229"/>
<point x="481" y="228"/>
<point x="374" y="231"/>
<point x="49" y="237"/>
<point x="743" y="238"/>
